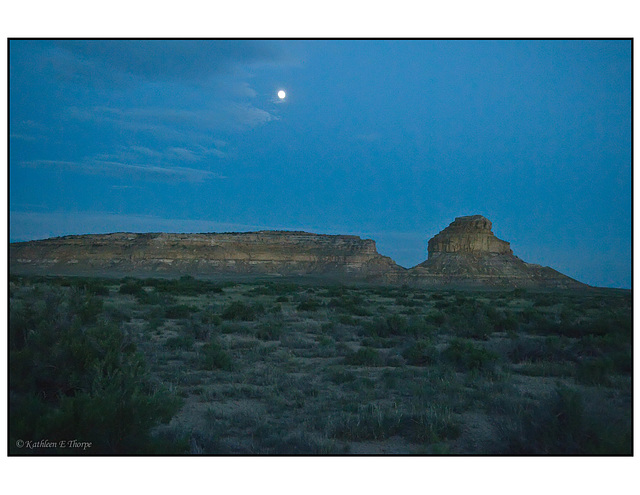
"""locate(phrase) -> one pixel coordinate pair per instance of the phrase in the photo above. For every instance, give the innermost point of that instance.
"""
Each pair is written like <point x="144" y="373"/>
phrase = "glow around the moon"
<point x="281" y="94"/>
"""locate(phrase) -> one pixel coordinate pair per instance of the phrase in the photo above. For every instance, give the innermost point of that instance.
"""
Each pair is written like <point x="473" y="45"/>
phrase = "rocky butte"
<point x="465" y="254"/>
<point x="468" y="254"/>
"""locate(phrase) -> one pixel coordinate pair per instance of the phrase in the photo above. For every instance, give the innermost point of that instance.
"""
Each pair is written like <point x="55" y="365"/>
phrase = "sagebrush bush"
<point x="365" y="356"/>
<point x="420" y="353"/>
<point x="74" y="375"/>
<point x="178" y="311"/>
<point x="239" y="310"/>
<point x="213" y="356"/>
<point x="467" y="356"/>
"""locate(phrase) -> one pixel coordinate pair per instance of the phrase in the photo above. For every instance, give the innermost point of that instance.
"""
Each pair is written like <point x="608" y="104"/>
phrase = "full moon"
<point x="281" y="94"/>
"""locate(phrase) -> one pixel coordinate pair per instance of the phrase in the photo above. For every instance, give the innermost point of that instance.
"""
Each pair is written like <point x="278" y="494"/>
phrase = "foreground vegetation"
<point x="189" y="366"/>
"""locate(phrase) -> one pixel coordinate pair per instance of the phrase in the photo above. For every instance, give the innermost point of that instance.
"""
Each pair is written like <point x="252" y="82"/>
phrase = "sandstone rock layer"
<point x="272" y="253"/>
<point x="466" y="255"/>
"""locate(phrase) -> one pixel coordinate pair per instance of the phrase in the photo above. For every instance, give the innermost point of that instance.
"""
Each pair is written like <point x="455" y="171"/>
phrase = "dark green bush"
<point x="213" y="356"/>
<point x="365" y="356"/>
<point x="132" y="287"/>
<point x="269" y="330"/>
<point x="350" y="304"/>
<point x="595" y="371"/>
<point x="274" y="289"/>
<point x="184" y="286"/>
<point x="420" y="353"/>
<point x="436" y="317"/>
<point x="184" y="342"/>
<point x="466" y="356"/>
<point x="74" y="379"/>
<point x="309" y="305"/>
<point x="238" y="310"/>
<point x="178" y="311"/>
<point x="559" y="425"/>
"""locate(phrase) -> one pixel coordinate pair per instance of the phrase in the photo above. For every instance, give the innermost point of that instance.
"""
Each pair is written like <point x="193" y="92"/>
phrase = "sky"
<point x="389" y="140"/>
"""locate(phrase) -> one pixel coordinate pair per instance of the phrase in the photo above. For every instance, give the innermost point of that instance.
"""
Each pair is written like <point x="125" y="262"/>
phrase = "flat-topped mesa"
<point x="470" y="234"/>
<point x="277" y="253"/>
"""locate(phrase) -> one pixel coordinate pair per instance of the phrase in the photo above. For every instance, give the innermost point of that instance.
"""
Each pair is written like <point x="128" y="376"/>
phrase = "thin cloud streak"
<point x="119" y="169"/>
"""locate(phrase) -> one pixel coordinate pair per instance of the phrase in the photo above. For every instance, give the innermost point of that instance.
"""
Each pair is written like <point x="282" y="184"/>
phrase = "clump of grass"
<point x="433" y="425"/>
<point x="369" y="422"/>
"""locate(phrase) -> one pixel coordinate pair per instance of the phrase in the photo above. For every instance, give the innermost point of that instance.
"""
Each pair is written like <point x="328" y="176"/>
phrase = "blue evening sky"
<point x="389" y="140"/>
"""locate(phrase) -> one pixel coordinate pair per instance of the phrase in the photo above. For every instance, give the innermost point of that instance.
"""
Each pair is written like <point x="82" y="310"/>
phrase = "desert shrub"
<point x="91" y="286"/>
<point x="350" y="304"/>
<point x="537" y="350"/>
<point x="420" y="353"/>
<point x="115" y="314"/>
<point x="183" y="342"/>
<point x="559" y="426"/>
<point x="73" y="379"/>
<point x="441" y="304"/>
<point x="213" y="357"/>
<point x="184" y="286"/>
<point x="270" y="330"/>
<point x="239" y="310"/>
<point x="466" y="356"/>
<point x="595" y="371"/>
<point x="544" y="301"/>
<point x="365" y="356"/>
<point x="407" y="302"/>
<point x="281" y="299"/>
<point x="86" y="306"/>
<point x="347" y="320"/>
<point x="178" y="311"/>
<point x="234" y="327"/>
<point x="132" y="287"/>
<point x="385" y="327"/>
<point x="274" y="289"/>
<point x="310" y="304"/>
<point x="436" y="317"/>
<point x="506" y="323"/>
<point x="339" y="376"/>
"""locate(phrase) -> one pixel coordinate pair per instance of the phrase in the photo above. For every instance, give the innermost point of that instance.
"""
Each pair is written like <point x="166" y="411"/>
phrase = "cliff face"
<point x="468" y="254"/>
<point x="468" y="235"/>
<point x="465" y="254"/>
<point x="252" y="253"/>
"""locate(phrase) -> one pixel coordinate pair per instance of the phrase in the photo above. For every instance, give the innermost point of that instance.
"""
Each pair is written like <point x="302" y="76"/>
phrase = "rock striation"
<point x="464" y="255"/>
<point x="468" y="235"/>
<point x="468" y="254"/>
<point x="274" y="253"/>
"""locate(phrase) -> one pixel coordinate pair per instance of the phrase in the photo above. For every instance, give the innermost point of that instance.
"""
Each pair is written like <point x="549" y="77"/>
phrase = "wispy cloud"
<point x="118" y="169"/>
<point x="163" y="60"/>
<point x="178" y="123"/>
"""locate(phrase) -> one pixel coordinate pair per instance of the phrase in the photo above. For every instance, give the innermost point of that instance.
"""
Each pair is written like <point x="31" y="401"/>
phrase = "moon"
<point x="281" y="94"/>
